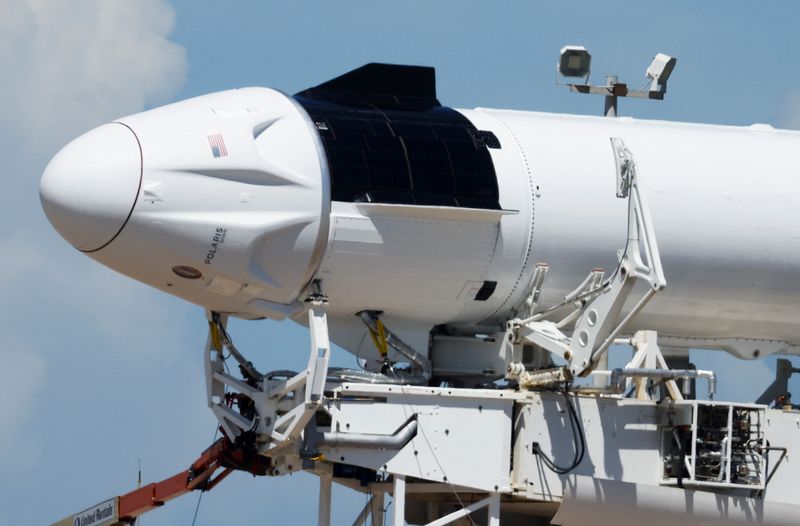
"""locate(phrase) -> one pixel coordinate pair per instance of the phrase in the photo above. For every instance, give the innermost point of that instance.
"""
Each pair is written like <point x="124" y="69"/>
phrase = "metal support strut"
<point x="649" y="364"/>
<point x="274" y="411"/>
<point x="597" y="304"/>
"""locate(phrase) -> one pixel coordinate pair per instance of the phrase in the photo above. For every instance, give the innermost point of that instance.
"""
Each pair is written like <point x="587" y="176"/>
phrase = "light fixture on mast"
<point x="575" y="61"/>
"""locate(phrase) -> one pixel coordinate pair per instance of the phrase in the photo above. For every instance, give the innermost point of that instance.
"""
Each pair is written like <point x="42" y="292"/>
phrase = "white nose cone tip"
<point x="90" y="187"/>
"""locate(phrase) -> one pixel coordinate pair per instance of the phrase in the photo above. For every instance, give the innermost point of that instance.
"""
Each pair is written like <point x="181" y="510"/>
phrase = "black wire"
<point x="200" y="497"/>
<point x="678" y="433"/>
<point x="578" y="438"/>
<point x="197" y="508"/>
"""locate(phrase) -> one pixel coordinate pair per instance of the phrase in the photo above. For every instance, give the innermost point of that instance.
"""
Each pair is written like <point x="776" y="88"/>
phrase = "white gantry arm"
<point x="598" y="303"/>
<point x="276" y="408"/>
<point x="288" y="427"/>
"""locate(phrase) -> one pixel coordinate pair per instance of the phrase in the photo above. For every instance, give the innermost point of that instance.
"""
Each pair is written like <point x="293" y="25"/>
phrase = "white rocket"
<point x="461" y="239"/>
<point x="367" y="190"/>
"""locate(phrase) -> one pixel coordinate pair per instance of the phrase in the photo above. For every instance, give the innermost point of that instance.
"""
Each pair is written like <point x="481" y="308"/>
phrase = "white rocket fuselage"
<point x="721" y="200"/>
<point x="722" y="203"/>
<point x="255" y="219"/>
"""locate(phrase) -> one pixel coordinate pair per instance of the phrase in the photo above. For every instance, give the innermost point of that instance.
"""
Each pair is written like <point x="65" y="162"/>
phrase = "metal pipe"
<point x="417" y="360"/>
<point x="368" y="377"/>
<point x="610" y="109"/>
<point x="395" y="441"/>
<point x="617" y="376"/>
<point x="784" y="451"/>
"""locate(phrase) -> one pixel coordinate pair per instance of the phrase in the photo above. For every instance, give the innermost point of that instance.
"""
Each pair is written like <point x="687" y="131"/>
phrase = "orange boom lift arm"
<point x="124" y="509"/>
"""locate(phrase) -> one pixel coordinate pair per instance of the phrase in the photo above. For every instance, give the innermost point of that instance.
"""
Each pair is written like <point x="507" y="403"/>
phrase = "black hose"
<point x="677" y="433"/>
<point x="578" y="439"/>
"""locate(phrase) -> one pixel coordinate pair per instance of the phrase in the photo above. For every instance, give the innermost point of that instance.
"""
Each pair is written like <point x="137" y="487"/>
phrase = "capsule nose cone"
<point x="90" y="187"/>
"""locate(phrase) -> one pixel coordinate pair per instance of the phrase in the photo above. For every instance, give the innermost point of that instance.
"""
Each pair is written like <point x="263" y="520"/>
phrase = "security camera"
<point x="659" y="71"/>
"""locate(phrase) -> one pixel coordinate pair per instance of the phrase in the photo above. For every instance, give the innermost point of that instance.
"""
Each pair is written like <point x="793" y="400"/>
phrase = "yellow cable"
<point x="379" y="338"/>
<point x="384" y="345"/>
<point x="216" y="341"/>
<point x="374" y="336"/>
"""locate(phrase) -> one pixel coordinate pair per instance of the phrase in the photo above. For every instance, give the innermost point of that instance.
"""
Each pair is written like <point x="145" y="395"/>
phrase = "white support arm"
<point x="300" y="396"/>
<point x="597" y="327"/>
<point x="599" y="307"/>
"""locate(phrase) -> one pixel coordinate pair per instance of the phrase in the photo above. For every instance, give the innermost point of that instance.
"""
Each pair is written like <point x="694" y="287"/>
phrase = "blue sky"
<point x="99" y="371"/>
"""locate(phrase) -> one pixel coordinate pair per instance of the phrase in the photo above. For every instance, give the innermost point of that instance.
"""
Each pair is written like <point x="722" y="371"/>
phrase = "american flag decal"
<point x="218" y="148"/>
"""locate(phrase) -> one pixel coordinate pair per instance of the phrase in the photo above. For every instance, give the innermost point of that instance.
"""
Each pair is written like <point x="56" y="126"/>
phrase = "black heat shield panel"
<point x="388" y="140"/>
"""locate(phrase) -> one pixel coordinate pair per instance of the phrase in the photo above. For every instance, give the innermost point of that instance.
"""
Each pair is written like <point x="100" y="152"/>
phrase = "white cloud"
<point x="71" y="64"/>
<point x="67" y="66"/>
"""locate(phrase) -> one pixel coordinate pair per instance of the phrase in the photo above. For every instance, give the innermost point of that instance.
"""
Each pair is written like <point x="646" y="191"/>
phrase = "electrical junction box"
<point x="711" y="444"/>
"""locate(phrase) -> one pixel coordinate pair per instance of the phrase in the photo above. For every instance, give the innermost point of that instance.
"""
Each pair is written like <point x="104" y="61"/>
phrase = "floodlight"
<point x="575" y="61"/>
<point x="659" y="71"/>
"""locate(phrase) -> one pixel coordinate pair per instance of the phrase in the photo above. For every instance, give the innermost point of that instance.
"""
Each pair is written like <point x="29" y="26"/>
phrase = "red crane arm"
<point x="222" y="454"/>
